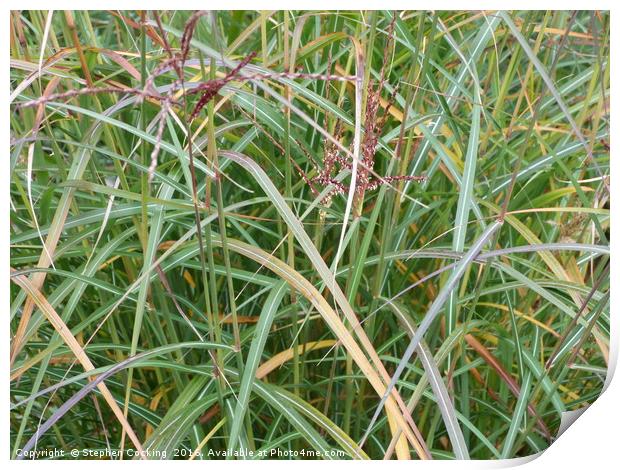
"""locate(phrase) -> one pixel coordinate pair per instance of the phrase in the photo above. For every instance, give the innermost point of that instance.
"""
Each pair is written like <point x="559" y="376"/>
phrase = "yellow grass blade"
<point x="63" y="330"/>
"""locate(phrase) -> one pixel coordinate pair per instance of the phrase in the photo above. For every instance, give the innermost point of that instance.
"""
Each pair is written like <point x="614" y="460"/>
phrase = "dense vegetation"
<point x="306" y="234"/>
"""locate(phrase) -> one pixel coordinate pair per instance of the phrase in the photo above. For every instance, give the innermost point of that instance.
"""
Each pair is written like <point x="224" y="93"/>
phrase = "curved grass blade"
<point x="64" y="331"/>
<point x="446" y="407"/>
<point x="379" y="376"/>
<point x="261" y="333"/>
<point x="433" y="312"/>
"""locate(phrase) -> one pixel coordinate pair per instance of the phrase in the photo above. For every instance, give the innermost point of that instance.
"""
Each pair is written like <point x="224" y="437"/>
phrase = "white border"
<point x="592" y="442"/>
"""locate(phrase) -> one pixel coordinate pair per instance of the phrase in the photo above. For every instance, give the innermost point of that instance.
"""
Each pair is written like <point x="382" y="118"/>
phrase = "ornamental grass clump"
<point x="306" y="234"/>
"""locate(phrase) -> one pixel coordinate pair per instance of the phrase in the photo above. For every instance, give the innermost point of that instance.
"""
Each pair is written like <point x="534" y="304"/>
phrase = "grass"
<point x="309" y="234"/>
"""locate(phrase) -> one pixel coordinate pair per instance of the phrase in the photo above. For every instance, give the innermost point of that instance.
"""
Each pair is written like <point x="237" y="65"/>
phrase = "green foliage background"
<point x="505" y="114"/>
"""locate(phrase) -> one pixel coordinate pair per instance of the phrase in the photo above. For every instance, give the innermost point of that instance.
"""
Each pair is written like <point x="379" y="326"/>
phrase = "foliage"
<point x="238" y="233"/>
